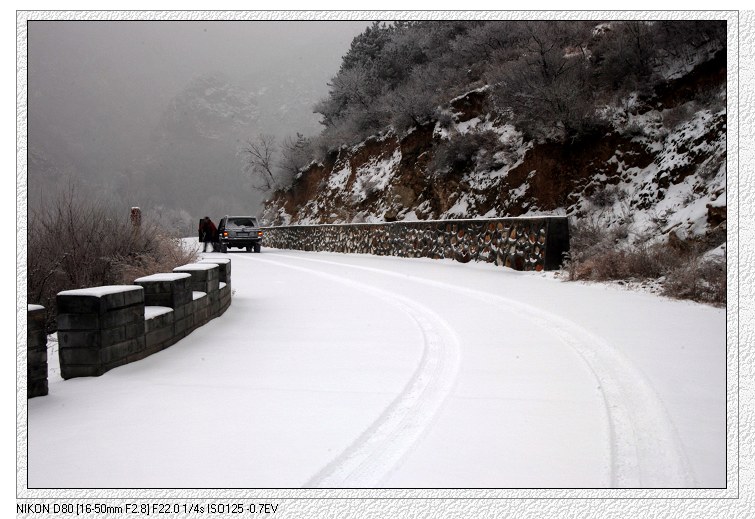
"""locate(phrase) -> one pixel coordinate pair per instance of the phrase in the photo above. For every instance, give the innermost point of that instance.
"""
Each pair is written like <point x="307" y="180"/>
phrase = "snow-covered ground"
<point x="333" y="370"/>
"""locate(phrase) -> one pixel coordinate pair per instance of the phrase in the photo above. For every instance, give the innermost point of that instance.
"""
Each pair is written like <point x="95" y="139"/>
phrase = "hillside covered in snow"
<point x="656" y="155"/>
<point x="620" y="126"/>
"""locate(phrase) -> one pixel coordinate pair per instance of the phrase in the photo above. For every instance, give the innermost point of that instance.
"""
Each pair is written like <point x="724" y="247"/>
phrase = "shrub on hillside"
<point x="607" y="196"/>
<point x="78" y="243"/>
<point x="550" y="78"/>
<point x="599" y="253"/>
<point x="465" y="151"/>
<point x="675" y="116"/>
<point x="702" y="280"/>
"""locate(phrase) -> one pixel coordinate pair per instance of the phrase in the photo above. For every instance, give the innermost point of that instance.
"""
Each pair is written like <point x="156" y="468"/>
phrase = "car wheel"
<point x="257" y="247"/>
<point x="223" y="248"/>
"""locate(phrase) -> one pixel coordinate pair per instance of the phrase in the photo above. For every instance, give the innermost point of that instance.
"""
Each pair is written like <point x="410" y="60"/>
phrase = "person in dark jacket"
<point x="207" y="232"/>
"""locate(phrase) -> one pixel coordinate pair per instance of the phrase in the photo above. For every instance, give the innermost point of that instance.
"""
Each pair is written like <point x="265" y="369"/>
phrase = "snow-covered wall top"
<point x="101" y="328"/>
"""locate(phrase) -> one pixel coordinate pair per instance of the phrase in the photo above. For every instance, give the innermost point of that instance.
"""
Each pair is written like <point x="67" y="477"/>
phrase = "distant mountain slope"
<point x="210" y="107"/>
<point x="192" y="163"/>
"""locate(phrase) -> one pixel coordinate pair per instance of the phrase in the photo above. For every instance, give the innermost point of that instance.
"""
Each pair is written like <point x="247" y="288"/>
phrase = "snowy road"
<point x="336" y="371"/>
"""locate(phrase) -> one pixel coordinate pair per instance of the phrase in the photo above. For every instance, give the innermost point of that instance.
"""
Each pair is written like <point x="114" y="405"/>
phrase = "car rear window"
<point x="246" y="222"/>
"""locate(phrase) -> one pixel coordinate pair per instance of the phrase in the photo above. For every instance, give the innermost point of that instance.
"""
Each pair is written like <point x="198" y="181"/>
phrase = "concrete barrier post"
<point x="159" y="328"/>
<point x="169" y="290"/>
<point x="219" y="303"/>
<point x="99" y="329"/>
<point x="205" y="277"/>
<point x="205" y="284"/>
<point x="168" y="313"/>
<point x="36" y="352"/>
<point x="224" y="268"/>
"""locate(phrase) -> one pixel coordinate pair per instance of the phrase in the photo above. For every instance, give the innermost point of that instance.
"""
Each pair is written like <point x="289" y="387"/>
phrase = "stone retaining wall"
<point x="519" y="243"/>
<point x="104" y="327"/>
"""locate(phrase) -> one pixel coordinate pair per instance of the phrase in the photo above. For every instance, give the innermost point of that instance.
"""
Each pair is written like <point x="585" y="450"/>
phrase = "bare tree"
<point x="259" y="154"/>
<point x="77" y="240"/>
<point x="548" y="87"/>
<point x="625" y="56"/>
<point x="295" y="155"/>
<point x="273" y="166"/>
<point x="415" y="101"/>
<point x="353" y="92"/>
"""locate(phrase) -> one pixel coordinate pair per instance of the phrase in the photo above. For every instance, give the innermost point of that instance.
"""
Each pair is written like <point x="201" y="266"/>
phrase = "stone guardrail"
<point x="537" y="243"/>
<point x="101" y="328"/>
<point x="36" y="351"/>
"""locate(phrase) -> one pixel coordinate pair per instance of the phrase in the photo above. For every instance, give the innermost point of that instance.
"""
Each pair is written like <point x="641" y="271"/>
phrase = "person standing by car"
<point x="207" y="232"/>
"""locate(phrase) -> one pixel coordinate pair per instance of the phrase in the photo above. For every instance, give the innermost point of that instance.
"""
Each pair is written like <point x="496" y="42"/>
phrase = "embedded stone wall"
<point x="518" y="243"/>
<point x="101" y="328"/>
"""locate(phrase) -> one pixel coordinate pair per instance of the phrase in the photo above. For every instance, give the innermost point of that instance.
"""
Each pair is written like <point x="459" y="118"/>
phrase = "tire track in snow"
<point x="645" y="448"/>
<point x="370" y="458"/>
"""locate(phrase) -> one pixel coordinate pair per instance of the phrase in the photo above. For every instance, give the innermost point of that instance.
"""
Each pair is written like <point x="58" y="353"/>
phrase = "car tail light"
<point x="259" y="233"/>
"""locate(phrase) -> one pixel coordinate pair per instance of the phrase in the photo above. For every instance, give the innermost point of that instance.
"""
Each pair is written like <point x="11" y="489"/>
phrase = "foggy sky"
<point x="131" y="69"/>
<point x="98" y="89"/>
<point x="137" y="66"/>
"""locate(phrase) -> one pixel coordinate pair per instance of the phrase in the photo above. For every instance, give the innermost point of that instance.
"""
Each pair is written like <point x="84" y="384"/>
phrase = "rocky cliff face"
<point x="659" y="164"/>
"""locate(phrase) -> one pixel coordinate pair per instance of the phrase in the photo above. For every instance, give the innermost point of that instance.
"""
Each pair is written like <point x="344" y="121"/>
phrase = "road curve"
<point x="335" y="371"/>
<point x="364" y="463"/>
<point x="644" y="448"/>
